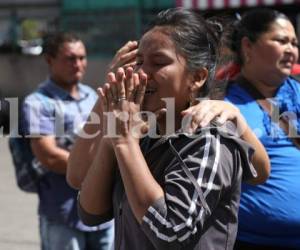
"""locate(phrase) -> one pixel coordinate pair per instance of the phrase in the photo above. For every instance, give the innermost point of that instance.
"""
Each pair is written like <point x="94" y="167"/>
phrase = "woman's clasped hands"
<point x="121" y="99"/>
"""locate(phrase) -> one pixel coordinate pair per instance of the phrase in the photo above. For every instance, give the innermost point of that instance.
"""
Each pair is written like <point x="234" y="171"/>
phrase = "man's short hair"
<point x="52" y="42"/>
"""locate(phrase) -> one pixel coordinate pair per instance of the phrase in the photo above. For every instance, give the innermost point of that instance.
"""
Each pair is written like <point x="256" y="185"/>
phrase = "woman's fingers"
<point x="120" y="85"/>
<point x="108" y="94"/>
<point x="141" y="88"/>
<point x="200" y="112"/>
<point x="133" y="91"/>
<point x="129" y="46"/>
<point x="129" y="57"/>
<point x="129" y="64"/>
<point x="103" y="100"/>
<point x="130" y="84"/>
<point x="208" y="110"/>
<point x="203" y="113"/>
<point x="208" y="117"/>
<point x="224" y="116"/>
<point x="125" y="55"/>
<point x="111" y="77"/>
<point x="127" y="85"/>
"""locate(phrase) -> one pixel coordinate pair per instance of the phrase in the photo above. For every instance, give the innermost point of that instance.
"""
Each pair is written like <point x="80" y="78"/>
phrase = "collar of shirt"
<point x="56" y="91"/>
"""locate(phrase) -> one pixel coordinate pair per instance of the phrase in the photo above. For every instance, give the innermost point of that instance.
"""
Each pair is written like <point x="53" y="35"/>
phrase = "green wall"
<point x="71" y="5"/>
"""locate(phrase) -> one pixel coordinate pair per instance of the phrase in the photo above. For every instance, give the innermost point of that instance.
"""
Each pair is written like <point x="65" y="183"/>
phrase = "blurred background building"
<point x="104" y="25"/>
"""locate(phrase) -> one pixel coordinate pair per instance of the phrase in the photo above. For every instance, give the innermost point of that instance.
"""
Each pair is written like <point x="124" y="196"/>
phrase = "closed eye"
<point x="282" y="40"/>
<point x="160" y="63"/>
<point x="286" y="40"/>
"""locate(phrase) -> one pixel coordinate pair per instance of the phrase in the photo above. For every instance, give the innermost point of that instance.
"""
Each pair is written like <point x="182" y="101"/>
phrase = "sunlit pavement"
<point x="18" y="210"/>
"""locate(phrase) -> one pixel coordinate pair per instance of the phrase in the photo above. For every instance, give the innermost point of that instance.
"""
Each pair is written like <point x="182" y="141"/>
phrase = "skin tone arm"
<point x="207" y="110"/>
<point x="140" y="186"/>
<point x="97" y="187"/>
<point x="84" y="149"/>
<point x="49" y="154"/>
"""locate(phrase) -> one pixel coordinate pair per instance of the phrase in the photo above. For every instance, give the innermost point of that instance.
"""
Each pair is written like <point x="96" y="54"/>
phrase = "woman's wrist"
<point x="124" y="140"/>
<point x="241" y="123"/>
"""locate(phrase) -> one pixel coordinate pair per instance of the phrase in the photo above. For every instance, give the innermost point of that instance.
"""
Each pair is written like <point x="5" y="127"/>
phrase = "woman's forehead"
<point x="156" y="38"/>
<point x="281" y="24"/>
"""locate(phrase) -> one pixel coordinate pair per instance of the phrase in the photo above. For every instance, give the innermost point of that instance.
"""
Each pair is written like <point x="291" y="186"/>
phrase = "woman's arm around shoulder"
<point x="205" y="111"/>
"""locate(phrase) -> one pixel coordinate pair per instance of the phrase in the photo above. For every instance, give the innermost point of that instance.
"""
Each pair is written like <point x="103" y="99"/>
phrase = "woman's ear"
<point x="246" y="46"/>
<point x="199" y="78"/>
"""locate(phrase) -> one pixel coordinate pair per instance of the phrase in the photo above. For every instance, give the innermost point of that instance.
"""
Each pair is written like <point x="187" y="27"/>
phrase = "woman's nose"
<point x="292" y="50"/>
<point x="290" y="47"/>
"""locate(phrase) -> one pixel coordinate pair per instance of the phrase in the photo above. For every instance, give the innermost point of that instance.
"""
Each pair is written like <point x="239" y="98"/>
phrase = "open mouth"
<point x="288" y="63"/>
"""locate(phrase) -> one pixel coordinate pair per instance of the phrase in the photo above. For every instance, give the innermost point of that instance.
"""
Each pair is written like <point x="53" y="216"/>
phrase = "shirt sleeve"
<point x="38" y="116"/>
<point x="176" y="220"/>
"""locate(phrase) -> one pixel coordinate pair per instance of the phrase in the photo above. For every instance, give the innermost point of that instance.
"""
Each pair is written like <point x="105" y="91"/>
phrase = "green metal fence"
<point x="105" y="25"/>
<point x="71" y="5"/>
<point x="103" y="31"/>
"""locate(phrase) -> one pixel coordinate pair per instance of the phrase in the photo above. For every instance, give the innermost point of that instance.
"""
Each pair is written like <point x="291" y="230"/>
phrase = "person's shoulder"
<point x="229" y="131"/>
<point x="36" y="96"/>
<point x="232" y="87"/>
<point x="293" y="80"/>
<point x="223" y="143"/>
<point x="296" y="77"/>
<point x="231" y="145"/>
<point x="237" y="94"/>
<point x="86" y="88"/>
<point x="291" y="84"/>
<point x="210" y="134"/>
<point x="88" y="92"/>
<point x="38" y="99"/>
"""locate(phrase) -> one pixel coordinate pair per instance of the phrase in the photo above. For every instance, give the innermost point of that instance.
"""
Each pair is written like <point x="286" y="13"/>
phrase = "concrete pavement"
<point x="18" y="210"/>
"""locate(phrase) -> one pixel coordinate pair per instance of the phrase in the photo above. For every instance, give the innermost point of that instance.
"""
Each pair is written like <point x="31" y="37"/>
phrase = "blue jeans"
<point x="57" y="236"/>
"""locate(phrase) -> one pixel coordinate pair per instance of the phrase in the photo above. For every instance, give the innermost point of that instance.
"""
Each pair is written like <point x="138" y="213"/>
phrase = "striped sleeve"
<point x="176" y="220"/>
